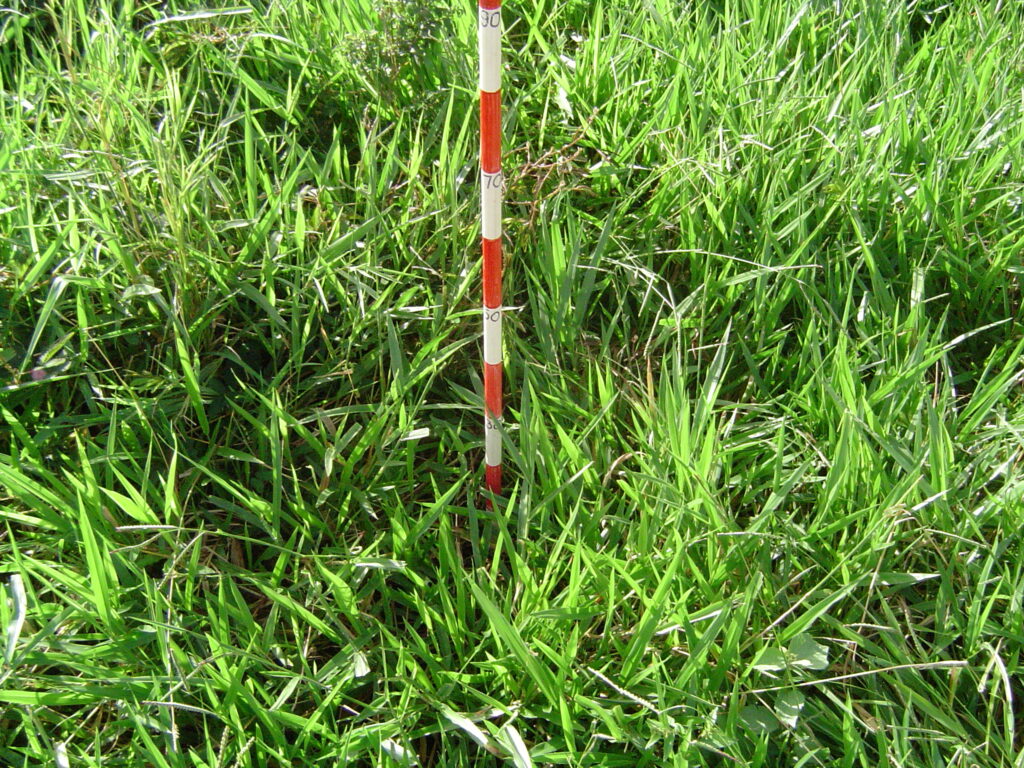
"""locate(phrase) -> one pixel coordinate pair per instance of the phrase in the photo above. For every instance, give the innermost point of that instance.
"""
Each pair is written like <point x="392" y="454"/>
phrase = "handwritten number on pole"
<point x="490" y="18"/>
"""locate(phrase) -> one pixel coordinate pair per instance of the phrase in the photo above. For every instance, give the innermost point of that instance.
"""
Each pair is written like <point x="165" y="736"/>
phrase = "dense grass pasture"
<point x="764" y="397"/>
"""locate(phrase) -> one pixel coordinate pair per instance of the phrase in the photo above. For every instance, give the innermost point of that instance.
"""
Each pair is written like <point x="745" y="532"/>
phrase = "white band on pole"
<point x="492" y="443"/>
<point x="489" y="38"/>
<point x="492" y="335"/>
<point x="490" y="204"/>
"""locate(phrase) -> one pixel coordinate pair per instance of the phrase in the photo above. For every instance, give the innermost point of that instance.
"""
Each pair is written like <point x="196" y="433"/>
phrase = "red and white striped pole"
<point x="489" y="38"/>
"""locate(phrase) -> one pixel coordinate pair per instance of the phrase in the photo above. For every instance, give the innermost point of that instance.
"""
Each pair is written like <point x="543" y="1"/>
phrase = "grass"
<point x="765" y="417"/>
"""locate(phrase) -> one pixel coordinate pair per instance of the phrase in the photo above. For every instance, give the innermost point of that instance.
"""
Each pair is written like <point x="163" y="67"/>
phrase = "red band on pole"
<point x="490" y="5"/>
<point x="492" y="389"/>
<point x="490" y="131"/>
<point x="492" y="273"/>
<point x="492" y="475"/>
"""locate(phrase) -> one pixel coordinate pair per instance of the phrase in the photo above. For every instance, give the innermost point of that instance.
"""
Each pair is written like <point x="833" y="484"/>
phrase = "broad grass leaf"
<point x="517" y="747"/>
<point x="398" y="753"/>
<point x="138" y="291"/>
<point x="471" y="729"/>
<point x="17" y="620"/>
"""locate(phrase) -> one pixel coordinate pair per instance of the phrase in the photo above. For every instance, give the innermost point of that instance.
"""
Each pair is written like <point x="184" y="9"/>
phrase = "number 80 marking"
<point x="490" y="18"/>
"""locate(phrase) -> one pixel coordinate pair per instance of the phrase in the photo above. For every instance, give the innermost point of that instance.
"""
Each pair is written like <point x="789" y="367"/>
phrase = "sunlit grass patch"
<point x="763" y="349"/>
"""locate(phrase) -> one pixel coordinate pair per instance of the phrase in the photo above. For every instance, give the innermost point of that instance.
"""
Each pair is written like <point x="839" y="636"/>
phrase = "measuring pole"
<point x="489" y="37"/>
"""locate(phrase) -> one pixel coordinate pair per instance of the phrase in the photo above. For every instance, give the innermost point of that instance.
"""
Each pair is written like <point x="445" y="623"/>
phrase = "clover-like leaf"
<point x="788" y="707"/>
<point x="770" y="660"/>
<point x="806" y="652"/>
<point x="759" y="719"/>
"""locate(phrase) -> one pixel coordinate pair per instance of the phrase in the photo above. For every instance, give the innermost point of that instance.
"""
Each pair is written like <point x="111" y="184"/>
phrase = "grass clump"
<point x="763" y="378"/>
